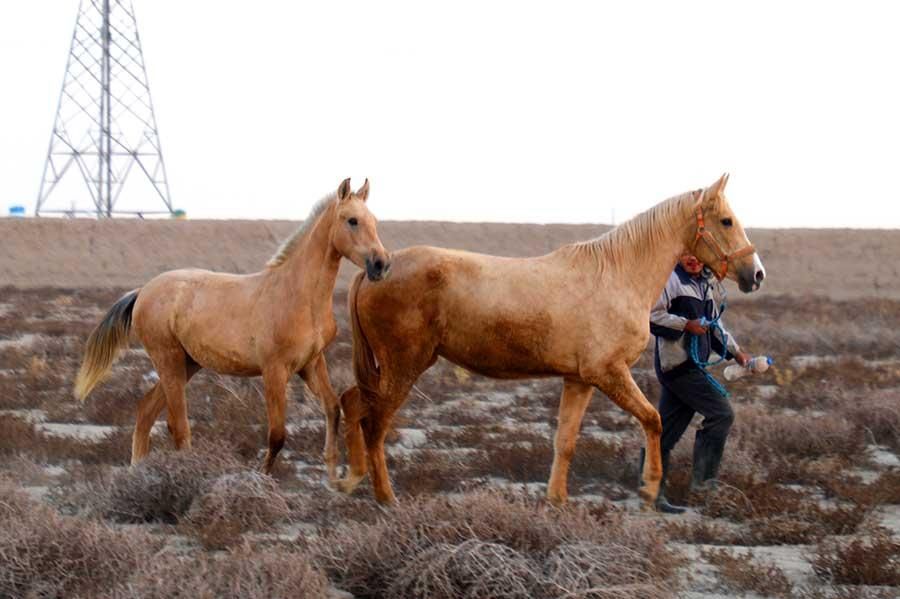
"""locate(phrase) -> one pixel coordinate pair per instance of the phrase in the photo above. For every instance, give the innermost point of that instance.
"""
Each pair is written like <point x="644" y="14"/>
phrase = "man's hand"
<point x="743" y="358"/>
<point x="695" y="328"/>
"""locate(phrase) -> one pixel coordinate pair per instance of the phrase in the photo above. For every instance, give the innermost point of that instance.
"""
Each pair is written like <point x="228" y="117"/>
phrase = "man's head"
<point x="691" y="264"/>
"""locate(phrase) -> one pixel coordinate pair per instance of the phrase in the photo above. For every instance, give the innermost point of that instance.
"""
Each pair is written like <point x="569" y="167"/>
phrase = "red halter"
<point x="712" y="244"/>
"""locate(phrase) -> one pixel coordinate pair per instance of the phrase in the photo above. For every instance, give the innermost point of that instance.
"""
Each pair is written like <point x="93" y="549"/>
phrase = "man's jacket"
<point x="687" y="298"/>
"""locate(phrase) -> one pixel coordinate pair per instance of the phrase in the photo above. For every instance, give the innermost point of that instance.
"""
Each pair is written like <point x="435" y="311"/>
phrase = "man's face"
<point x="690" y="264"/>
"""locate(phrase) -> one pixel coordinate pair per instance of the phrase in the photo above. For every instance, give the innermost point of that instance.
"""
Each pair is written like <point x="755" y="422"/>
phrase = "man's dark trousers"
<point x="686" y="391"/>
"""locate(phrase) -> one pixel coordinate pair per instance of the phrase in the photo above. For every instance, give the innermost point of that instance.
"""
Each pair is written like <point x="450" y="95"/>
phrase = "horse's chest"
<point x="309" y="342"/>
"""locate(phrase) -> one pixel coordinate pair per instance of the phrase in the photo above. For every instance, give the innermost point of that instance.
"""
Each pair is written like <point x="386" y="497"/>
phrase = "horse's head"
<point x="720" y="241"/>
<point x="354" y="232"/>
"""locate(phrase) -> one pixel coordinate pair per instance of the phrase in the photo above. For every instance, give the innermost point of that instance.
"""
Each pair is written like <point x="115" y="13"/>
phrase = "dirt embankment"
<point x="837" y="263"/>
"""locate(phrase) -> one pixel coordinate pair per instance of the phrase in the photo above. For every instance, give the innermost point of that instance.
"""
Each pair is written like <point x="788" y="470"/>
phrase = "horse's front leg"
<point x="575" y="398"/>
<point x="616" y="382"/>
<point x="275" y="379"/>
<point x="315" y="375"/>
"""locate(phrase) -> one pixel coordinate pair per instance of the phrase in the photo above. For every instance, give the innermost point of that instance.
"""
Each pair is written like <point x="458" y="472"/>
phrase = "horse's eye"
<point x="727" y="222"/>
<point x="352" y="222"/>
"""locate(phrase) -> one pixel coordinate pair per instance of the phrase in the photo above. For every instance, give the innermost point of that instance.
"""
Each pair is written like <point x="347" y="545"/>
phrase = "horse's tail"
<point x="104" y="343"/>
<point x="365" y="369"/>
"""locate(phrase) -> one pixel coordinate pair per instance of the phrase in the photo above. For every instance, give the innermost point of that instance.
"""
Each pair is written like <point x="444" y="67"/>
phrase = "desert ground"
<point x="809" y="504"/>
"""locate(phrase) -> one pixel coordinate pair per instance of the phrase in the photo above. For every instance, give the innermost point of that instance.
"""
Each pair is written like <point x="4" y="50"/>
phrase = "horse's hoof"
<point x="557" y="500"/>
<point x="343" y="485"/>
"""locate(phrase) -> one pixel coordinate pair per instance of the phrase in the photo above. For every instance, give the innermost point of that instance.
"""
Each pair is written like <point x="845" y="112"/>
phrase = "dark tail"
<point x="365" y="369"/>
<point x="104" y="343"/>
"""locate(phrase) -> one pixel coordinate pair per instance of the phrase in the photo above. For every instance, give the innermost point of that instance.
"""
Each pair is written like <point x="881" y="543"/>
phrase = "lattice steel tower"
<point x="105" y="126"/>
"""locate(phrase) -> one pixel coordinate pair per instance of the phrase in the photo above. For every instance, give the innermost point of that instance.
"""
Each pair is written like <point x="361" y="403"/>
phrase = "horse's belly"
<point x="222" y="358"/>
<point x="502" y="349"/>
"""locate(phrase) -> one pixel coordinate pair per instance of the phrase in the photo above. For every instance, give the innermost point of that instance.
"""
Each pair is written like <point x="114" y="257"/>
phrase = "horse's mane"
<point x="288" y="245"/>
<point x="641" y="234"/>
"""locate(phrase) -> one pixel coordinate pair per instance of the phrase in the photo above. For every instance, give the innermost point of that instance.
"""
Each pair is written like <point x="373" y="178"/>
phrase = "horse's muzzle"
<point x="377" y="268"/>
<point x="750" y="278"/>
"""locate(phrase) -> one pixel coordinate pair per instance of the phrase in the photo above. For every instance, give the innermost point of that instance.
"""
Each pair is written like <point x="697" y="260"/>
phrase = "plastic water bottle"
<point x="754" y="366"/>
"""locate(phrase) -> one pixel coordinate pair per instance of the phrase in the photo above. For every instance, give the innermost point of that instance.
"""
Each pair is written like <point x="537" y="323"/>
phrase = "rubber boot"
<point x="707" y="460"/>
<point x="662" y="504"/>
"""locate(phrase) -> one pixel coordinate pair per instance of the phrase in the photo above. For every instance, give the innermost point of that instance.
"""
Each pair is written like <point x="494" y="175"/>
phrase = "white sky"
<point x="495" y="111"/>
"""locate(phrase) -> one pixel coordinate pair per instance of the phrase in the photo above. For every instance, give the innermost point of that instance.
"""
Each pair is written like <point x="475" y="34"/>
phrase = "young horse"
<point x="273" y="323"/>
<point x="580" y="313"/>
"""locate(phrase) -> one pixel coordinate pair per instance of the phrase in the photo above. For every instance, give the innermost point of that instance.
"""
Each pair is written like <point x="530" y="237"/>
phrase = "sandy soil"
<point x="838" y="263"/>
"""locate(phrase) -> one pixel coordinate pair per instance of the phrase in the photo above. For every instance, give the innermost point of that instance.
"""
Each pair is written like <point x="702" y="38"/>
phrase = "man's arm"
<point x="662" y="323"/>
<point x="733" y="349"/>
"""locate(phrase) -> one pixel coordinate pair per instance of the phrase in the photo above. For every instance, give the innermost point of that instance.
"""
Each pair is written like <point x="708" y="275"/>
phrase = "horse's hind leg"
<point x="315" y="375"/>
<point x="354" y="412"/>
<point x="575" y="398"/>
<point x="620" y="387"/>
<point x="173" y="368"/>
<point x="148" y="410"/>
<point x="275" y="379"/>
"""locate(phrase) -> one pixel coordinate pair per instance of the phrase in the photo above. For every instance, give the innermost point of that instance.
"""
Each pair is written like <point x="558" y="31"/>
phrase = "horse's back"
<point x="200" y="310"/>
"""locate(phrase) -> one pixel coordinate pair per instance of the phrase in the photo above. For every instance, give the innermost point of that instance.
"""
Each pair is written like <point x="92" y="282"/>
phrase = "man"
<point x="691" y="294"/>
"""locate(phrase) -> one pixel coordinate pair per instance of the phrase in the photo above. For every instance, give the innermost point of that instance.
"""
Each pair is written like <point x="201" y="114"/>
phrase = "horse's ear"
<point x="343" y="191"/>
<point x="715" y="190"/>
<point x="363" y="192"/>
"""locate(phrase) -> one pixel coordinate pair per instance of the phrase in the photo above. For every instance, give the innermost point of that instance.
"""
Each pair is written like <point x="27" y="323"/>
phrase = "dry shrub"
<point x="459" y="436"/>
<point x="242" y="573"/>
<point x="875" y="561"/>
<point x="13" y="357"/>
<point x="112" y="448"/>
<point x="234" y="504"/>
<point x="784" y="530"/>
<point x="743" y="573"/>
<point x="363" y="558"/>
<point x="523" y="456"/>
<point x="115" y="402"/>
<point x="430" y="471"/>
<point x="324" y="507"/>
<point x="704" y="532"/>
<point x="867" y="327"/>
<point x="518" y="456"/>
<point x="474" y="569"/>
<point x="778" y="515"/>
<point x="43" y="554"/>
<point x="593" y="571"/>
<point x="878" y="415"/>
<point x="230" y="412"/>
<point x="884" y="489"/>
<point x="605" y="460"/>
<point x="20" y="437"/>
<point x="843" y="592"/>
<point x="797" y="435"/>
<point x="17" y="435"/>
<point x="165" y="483"/>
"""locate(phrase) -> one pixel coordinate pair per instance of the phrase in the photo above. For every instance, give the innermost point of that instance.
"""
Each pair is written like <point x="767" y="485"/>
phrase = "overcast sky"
<point x="495" y="111"/>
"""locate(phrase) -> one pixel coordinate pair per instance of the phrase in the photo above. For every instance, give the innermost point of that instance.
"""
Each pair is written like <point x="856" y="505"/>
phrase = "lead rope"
<point x="694" y="349"/>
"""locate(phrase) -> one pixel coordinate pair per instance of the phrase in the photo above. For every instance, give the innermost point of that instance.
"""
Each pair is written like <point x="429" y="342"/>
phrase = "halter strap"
<point x="712" y="244"/>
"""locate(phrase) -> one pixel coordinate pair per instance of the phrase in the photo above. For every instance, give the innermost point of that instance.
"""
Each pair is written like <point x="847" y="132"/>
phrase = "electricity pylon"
<point x="105" y="125"/>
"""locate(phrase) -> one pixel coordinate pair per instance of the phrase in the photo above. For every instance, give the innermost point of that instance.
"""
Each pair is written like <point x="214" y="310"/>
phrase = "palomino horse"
<point x="272" y="323"/>
<point x="580" y="313"/>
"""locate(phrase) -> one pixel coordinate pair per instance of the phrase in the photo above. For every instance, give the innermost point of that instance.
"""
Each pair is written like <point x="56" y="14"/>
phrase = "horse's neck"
<point x="645" y="272"/>
<point x="651" y="270"/>
<point x="310" y="272"/>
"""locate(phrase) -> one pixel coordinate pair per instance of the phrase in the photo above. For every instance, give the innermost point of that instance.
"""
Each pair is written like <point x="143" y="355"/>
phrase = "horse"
<point x="273" y="323"/>
<point x="580" y="313"/>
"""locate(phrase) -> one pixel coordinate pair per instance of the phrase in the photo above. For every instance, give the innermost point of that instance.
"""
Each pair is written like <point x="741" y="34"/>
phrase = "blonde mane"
<point x="288" y="245"/>
<point x="641" y="234"/>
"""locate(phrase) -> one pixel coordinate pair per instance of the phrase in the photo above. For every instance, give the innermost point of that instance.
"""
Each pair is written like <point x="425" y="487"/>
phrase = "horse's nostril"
<point x="379" y="264"/>
<point x="760" y="275"/>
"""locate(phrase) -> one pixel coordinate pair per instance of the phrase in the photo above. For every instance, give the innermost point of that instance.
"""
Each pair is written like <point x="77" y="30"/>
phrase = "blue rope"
<point x="694" y="349"/>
